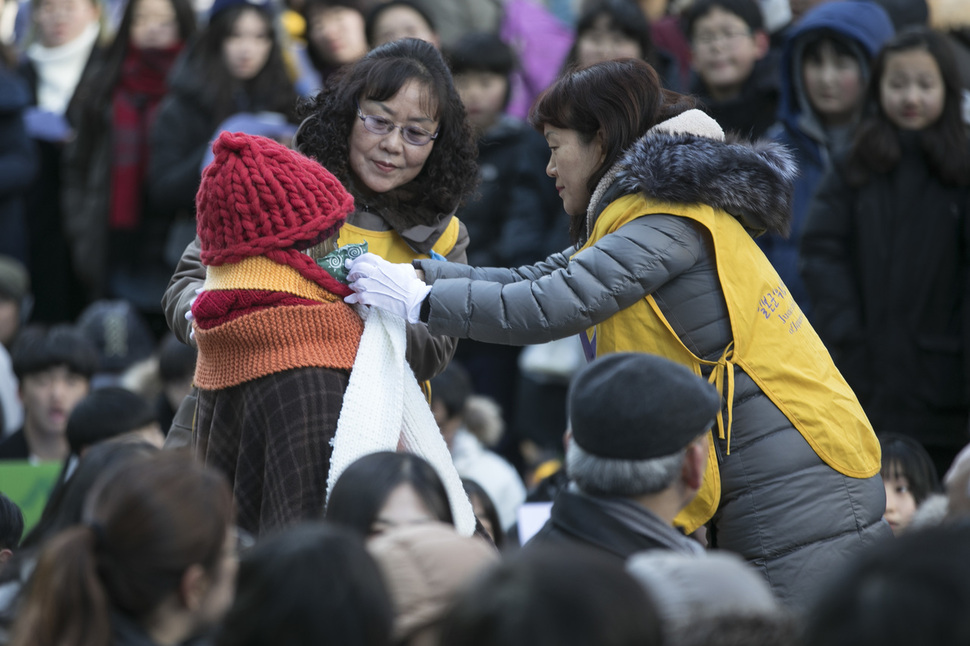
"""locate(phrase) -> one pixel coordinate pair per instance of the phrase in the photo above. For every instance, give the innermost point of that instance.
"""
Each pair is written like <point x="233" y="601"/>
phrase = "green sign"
<point x="28" y="485"/>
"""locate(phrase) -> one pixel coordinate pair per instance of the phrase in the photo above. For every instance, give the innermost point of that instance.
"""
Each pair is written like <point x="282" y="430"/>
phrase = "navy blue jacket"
<point x="18" y="165"/>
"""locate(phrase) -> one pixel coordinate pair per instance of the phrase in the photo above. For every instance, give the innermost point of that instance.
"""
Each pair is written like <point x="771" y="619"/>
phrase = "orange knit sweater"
<point x="256" y="344"/>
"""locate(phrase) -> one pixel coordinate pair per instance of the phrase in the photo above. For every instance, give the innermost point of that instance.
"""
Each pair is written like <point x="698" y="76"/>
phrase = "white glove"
<point x="386" y="285"/>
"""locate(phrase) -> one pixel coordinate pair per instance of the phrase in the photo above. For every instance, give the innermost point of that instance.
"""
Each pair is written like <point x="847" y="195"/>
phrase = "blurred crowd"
<point x="126" y="126"/>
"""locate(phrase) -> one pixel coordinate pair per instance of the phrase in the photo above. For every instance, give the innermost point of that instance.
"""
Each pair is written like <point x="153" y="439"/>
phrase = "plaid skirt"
<point x="271" y="437"/>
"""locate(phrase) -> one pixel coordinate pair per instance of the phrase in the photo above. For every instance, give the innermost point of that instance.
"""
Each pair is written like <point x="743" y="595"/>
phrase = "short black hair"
<point x="914" y="589"/>
<point x="746" y="10"/>
<point x="560" y="594"/>
<point x="313" y="583"/>
<point x="39" y="348"/>
<point x="814" y="43"/>
<point x="106" y="413"/>
<point x="176" y="360"/>
<point x="904" y="456"/>
<point x="11" y="523"/>
<point x="473" y="489"/>
<point x="624" y="16"/>
<point x="481" y="52"/>
<point x="452" y="387"/>
<point x="370" y="20"/>
<point x="362" y="489"/>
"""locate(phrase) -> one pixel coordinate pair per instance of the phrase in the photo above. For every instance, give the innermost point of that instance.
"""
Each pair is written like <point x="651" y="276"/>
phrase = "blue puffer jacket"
<point x="865" y="26"/>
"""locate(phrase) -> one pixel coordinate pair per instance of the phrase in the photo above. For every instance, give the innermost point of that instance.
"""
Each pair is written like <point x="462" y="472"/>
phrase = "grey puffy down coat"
<point x="782" y="508"/>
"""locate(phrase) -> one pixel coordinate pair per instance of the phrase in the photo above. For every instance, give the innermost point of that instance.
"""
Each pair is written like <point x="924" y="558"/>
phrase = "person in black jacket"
<point x="235" y="66"/>
<point x="884" y="251"/>
<point x="116" y="242"/>
<point x="515" y="218"/>
<point x="54" y="368"/>
<point x="736" y="73"/>
<point x="18" y="163"/>
<point x="64" y="47"/>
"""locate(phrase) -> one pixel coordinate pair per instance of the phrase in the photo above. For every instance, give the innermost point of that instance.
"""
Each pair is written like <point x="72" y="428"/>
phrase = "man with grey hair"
<point x="637" y="447"/>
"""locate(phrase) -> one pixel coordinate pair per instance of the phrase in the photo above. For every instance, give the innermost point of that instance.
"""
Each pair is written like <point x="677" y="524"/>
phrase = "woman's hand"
<point x="388" y="286"/>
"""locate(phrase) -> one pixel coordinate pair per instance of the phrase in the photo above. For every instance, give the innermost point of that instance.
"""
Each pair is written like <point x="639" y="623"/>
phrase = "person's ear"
<point x="5" y="555"/>
<point x="695" y="464"/>
<point x="193" y="587"/>
<point x="762" y="43"/>
<point x="600" y="140"/>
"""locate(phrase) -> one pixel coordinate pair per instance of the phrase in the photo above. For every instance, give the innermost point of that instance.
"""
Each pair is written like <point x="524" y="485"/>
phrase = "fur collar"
<point x="753" y="181"/>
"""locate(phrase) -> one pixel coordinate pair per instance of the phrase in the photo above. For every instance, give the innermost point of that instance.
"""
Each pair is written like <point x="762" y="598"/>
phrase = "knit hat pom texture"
<point x="258" y="196"/>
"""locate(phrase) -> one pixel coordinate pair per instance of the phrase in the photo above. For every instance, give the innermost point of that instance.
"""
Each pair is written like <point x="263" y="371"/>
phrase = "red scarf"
<point x="213" y="308"/>
<point x="141" y="86"/>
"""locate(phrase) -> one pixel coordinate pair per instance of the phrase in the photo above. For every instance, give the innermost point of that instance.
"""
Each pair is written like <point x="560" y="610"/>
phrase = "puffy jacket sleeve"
<point x="177" y="300"/>
<point x="561" y="296"/>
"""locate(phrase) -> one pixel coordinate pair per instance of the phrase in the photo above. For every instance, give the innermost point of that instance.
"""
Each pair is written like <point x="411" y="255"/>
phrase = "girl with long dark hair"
<point x="884" y="253"/>
<point x="115" y="240"/>
<point x="234" y="66"/>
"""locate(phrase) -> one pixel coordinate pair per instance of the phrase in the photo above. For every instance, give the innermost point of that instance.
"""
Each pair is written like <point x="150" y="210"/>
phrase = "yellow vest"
<point x="391" y="247"/>
<point x="773" y="343"/>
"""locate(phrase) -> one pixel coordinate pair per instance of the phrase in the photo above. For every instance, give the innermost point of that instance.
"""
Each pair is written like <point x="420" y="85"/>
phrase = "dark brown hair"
<point x="363" y="488"/>
<point x="270" y="90"/>
<point x="623" y="16"/>
<point x="94" y="93"/>
<point x="876" y="149"/>
<point x="622" y="99"/>
<point x="146" y="522"/>
<point x="450" y="172"/>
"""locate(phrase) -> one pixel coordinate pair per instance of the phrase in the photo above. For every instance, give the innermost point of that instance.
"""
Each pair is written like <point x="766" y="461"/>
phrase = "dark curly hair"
<point x="450" y="172"/>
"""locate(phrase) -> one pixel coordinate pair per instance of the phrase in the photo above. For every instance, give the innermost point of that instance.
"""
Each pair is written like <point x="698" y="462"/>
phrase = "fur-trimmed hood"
<point x="753" y="181"/>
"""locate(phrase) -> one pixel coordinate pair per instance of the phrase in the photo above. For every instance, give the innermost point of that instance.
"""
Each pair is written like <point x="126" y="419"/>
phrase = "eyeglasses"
<point x="414" y="135"/>
<point x="729" y="37"/>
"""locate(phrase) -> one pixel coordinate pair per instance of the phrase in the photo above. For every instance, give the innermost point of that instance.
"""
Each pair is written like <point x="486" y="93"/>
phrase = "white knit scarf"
<point x="59" y="68"/>
<point x="384" y="408"/>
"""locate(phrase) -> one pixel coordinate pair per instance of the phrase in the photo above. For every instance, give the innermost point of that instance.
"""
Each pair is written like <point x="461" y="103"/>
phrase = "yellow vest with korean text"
<point x="772" y="343"/>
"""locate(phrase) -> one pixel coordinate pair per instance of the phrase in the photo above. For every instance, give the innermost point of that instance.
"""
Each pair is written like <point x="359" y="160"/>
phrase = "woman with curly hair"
<point x="392" y="129"/>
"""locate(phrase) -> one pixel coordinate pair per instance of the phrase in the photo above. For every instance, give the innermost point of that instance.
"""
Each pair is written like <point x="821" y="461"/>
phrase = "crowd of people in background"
<point x="481" y="322"/>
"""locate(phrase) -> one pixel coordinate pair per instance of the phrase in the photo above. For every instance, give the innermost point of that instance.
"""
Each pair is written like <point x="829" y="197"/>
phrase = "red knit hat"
<point x="259" y="198"/>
